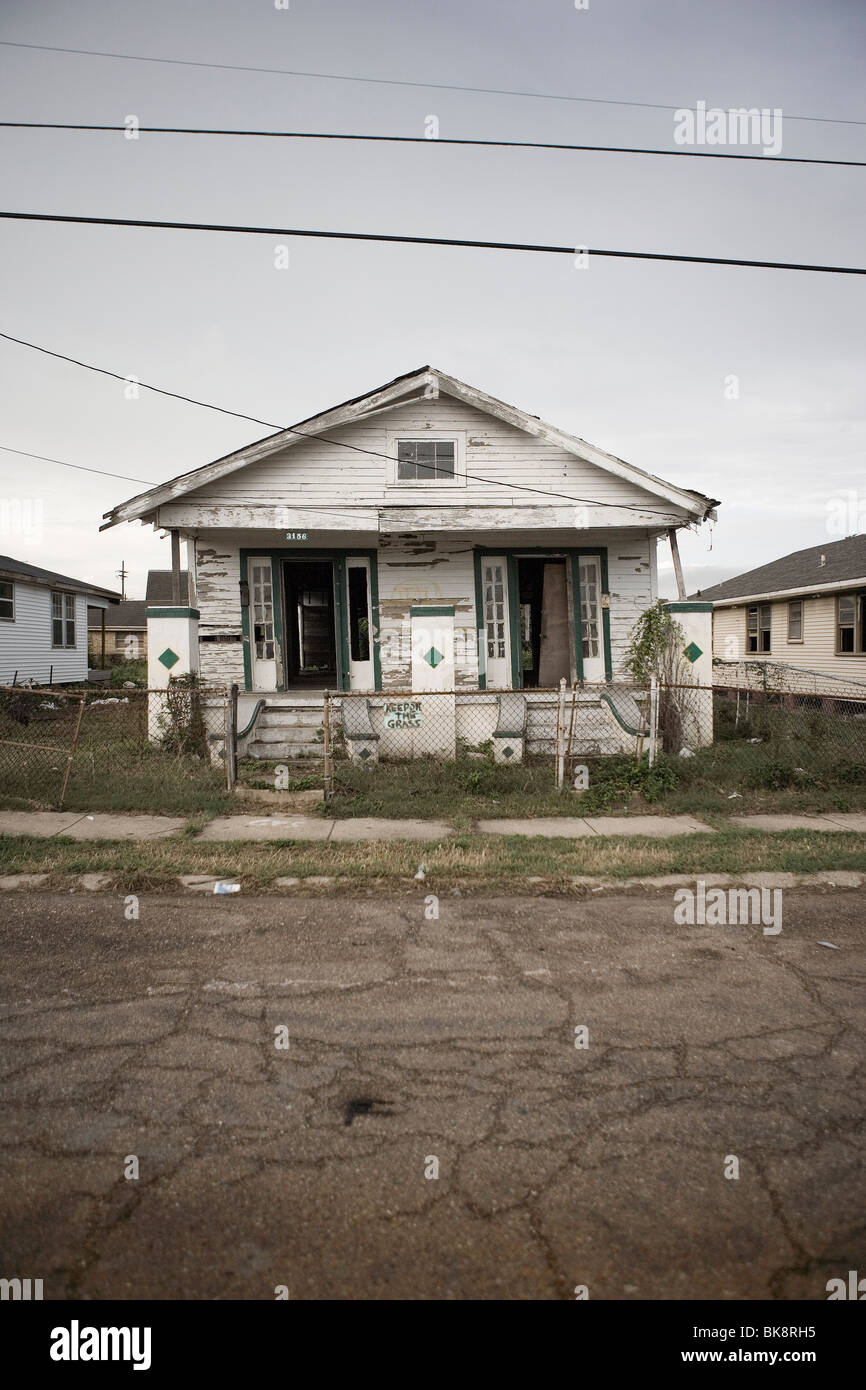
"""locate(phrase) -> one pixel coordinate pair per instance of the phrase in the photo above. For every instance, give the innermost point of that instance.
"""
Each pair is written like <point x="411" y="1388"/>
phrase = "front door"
<point x="310" y="634"/>
<point x="359" y="603"/>
<point x="263" y="646"/>
<point x="494" y="634"/>
<point x="589" y="577"/>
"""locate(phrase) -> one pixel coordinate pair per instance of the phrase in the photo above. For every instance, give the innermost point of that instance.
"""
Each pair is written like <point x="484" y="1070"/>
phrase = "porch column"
<point x="172" y="650"/>
<point x="696" y="668"/>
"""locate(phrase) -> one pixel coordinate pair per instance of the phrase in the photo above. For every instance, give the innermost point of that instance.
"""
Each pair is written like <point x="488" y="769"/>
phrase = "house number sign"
<point x="297" y="535"/>
<point x="403" y="714"/>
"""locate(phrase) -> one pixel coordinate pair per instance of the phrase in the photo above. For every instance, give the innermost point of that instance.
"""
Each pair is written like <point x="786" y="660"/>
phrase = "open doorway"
<point x="545" y="655"/>
<point x="310" y="641"/>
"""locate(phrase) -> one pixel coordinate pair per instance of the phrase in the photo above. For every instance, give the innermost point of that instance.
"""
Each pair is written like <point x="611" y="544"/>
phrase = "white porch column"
<point x="696" y="621"/>
<point x="172" y="650"/>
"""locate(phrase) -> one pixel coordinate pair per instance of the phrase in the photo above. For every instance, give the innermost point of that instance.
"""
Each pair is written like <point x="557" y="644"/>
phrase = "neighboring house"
<point x="43" y="623"/>
<point x="125" y="624"/>
<point x="125" y="631"/>
<point x="422" y="536"/>
<point x="807" y="610"/>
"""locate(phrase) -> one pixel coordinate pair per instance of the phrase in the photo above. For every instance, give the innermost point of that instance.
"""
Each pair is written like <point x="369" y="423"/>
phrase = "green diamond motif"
<point x="364" y="753"/>
<point x="508" y="752"/>
<point x="169" y="658"/>
<point x="692" y="652"/>
<point x="433" y="657"/>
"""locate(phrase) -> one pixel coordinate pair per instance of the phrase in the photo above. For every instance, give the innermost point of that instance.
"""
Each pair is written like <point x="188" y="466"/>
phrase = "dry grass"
<point x="470" y="862"/>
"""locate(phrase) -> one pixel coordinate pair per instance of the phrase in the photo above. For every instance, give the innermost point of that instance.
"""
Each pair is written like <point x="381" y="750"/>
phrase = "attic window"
<point x="426" y="461"/>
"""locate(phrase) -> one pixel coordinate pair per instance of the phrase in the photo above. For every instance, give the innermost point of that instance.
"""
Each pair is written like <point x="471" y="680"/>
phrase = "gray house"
<point x="43" y="623"/>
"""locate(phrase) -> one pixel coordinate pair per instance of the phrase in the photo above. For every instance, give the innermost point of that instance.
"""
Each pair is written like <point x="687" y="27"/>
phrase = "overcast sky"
<point x="633" y="356"/>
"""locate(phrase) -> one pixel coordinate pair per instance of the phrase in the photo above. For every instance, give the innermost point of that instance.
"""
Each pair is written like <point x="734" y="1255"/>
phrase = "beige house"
<point x="807" y="610"/>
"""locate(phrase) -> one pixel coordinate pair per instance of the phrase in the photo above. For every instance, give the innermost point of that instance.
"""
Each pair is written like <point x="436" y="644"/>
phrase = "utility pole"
<point x="121" y="574"/>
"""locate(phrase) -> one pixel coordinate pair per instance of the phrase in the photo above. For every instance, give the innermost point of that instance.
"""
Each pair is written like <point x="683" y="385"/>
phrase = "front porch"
<point x="287" y="727"/>
<point x="415" y="612"/>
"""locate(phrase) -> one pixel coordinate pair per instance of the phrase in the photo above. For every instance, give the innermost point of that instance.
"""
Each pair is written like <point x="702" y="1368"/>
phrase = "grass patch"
<point x="732" y="777"/>
<point x="115" y="767"/>
<point x="471" y="862"/>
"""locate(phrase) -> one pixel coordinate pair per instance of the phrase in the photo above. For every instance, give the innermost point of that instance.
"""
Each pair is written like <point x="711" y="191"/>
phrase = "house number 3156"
<point x="296" y="535"/>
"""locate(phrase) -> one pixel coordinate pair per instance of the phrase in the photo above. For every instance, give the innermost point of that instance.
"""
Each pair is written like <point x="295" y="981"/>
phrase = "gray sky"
<point x="633" y="356"/>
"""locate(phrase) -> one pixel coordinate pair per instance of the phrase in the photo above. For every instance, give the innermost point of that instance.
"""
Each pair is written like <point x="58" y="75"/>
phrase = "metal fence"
<point x="793" y="735"/>
<point x="556" y="727"/>
<point x="113" y="747"/>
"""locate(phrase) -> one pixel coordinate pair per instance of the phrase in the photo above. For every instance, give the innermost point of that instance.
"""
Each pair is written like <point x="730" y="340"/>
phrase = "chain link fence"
<point x="554" y="729"/>
<point x="114" y="749"/>
<point x="791" y="737"/>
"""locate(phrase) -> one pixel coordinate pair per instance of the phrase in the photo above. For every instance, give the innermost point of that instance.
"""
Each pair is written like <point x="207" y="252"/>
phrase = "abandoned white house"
<point x="422" y="537"/>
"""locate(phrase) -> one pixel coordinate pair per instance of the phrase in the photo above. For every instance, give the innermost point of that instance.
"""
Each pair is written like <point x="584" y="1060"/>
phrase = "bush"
<point x="182" y="724"/>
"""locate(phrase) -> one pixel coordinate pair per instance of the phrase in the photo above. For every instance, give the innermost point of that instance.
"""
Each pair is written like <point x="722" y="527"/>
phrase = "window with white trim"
<point x="758" y="628"/>
<point x="426" y="461"/>
<point x="795" y="620"/>
<point x="62" y="620"/>
<point x="7" y="601"/>
<point x="851" y="624"/>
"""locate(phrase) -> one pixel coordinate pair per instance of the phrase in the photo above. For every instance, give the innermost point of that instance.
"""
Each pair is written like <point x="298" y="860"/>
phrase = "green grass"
<point x="470" y="862"/>
<point x="730" y="778"/>
<point x="115" y="768"/>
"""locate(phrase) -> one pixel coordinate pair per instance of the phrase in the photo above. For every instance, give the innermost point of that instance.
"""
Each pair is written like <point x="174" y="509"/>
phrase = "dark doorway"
<point x="311" y="650"/>
<point x="543" y="599"/>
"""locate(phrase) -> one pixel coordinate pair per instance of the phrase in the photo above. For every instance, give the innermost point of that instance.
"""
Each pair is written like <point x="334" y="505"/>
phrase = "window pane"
<point x="359" y="627"/>
<point x="426" y="460"/>
<point x="7" y="604"/>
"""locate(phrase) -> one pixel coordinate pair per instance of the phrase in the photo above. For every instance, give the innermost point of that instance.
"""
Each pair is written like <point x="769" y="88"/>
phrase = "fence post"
<point x="560" y="736"/>
<point x="232" y="738"/>
<point x="653" y="718"/>
<point x="328" y="767"/>
<point x="71" y="753"/>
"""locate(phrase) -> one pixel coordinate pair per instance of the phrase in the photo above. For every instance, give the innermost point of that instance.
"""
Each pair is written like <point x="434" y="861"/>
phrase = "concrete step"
<point x="285" y="752"/>
<point x="271" y="718"/>
<point x="581" y="748"/>
<point x="286" y="733"/>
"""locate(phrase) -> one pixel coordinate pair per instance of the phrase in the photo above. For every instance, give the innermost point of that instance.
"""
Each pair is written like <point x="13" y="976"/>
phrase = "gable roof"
<point x="159" y="586"/>
<point x="125" y="616"/>
<point x="422" y="383"/>
<point x="844" y="563"/>
<point x="19" y="569"/>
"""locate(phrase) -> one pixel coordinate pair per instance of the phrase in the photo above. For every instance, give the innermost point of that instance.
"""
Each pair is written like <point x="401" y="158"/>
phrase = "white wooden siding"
<point x="817" y="651"/>
<point x="413" y="570"/>
<point x="25" y="643"/>
<point x="319" y="471"/>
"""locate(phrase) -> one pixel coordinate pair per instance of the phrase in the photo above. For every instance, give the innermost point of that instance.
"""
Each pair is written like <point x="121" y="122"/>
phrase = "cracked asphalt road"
<point x="411" y="1040"/>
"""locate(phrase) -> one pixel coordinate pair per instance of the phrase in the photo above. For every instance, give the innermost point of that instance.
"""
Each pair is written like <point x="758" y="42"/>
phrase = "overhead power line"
<point x="428" y="241"/>
<point x="423" y="140"/>
<point x="7" y="449"/>
<point x="393" y="81"/>
<point x="305" y="434"/>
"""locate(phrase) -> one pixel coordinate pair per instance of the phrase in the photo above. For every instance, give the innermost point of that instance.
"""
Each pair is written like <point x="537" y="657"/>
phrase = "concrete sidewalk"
<point x="77" y="825"/>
